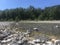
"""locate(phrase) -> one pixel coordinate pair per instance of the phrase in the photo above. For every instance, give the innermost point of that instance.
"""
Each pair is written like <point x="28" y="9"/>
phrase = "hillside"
<point x="31" y="13"/>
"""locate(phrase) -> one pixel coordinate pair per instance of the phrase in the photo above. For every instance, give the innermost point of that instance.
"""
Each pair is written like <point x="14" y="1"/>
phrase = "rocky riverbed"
<point x="11" y="34"/>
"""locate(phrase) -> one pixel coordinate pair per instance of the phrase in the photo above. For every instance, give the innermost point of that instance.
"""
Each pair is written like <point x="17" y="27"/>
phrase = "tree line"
<point x="30" y="13"/>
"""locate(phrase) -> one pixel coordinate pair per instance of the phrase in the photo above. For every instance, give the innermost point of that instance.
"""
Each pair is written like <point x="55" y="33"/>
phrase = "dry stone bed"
<point x="10" y="36"/>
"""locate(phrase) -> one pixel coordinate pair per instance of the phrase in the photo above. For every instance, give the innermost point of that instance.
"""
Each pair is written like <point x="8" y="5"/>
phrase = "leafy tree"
<point x="30" y="13"/>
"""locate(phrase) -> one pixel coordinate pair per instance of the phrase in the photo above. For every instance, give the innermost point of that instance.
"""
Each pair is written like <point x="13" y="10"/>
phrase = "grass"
<point x="34" y="33"/>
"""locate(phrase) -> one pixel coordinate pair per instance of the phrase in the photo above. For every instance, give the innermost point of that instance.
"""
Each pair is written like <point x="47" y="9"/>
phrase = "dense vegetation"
<point x="30" y="13"/>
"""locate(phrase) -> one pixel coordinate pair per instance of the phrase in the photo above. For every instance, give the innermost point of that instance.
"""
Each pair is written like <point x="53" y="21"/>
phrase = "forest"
<point x="30" y="13"/>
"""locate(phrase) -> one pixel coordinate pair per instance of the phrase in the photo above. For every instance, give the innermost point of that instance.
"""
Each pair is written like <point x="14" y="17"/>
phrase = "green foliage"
<point x="31" y="13"/>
